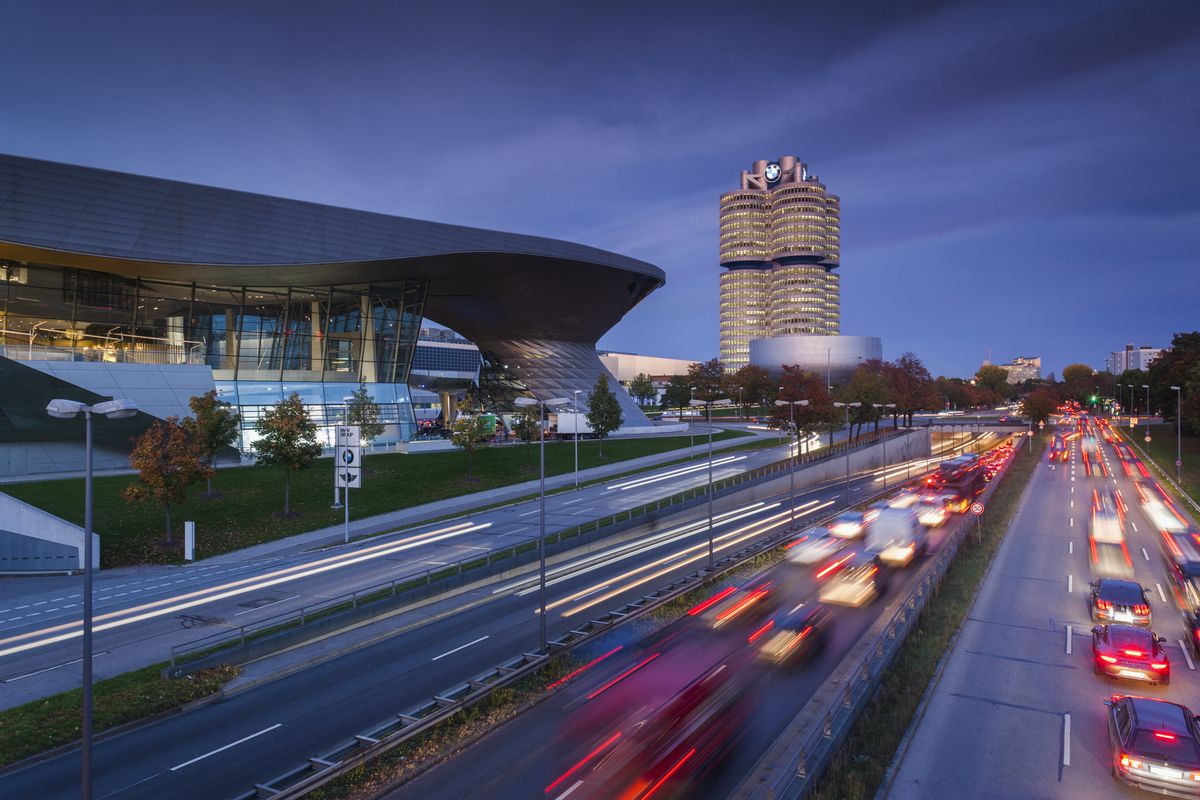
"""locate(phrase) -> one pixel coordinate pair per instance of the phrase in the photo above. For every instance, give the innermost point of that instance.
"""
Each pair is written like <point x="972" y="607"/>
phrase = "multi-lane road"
<point x="1017" y="710"/>
<point x="228" y="746"/>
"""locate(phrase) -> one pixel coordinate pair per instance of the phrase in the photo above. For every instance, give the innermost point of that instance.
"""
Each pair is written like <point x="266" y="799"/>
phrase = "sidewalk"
<point x="463" y="504"/>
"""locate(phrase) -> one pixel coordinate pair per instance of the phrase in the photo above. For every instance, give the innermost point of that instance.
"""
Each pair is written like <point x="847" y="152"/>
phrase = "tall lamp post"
<point x="69" y="409"/>
<point x="709" y="404"/>
<point x="847" y="406"/>
<point x="791" y="404"/>
<point x="575" y="398"/>
<point x="1146" y="427"/>
<point x="541" y="404"/>
<point x="1178" y="435"/>
<point x="885" y="461"/>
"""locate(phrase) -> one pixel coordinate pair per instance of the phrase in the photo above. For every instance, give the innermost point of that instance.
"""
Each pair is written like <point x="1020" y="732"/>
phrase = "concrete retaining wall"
<point x="33" y="540"/>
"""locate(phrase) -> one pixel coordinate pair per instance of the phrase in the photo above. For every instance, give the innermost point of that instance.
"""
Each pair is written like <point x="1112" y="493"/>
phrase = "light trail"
<point x="675" y="473"/>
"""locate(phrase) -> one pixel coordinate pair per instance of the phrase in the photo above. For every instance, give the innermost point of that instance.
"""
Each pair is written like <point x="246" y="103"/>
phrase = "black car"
<point x="1154" y="745"/>
<point x="1182" y="558"/>
<point x="1120" y="601"/>
<point x="796" y="633"/>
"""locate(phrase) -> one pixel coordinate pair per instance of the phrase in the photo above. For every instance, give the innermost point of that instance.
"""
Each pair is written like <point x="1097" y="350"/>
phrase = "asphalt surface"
<point x="1015" y="714"/>
<point x="226" y="747"/>
<point x="142" y="613"/>
<point x="577" y="720"/>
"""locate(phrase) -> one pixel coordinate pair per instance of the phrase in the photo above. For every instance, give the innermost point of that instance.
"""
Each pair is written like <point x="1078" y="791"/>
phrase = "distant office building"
<point x="1133" y="358"/>
<point x="833" y="357"/>
<point x="780" y="244"/>
<point x="1023" y="368"/>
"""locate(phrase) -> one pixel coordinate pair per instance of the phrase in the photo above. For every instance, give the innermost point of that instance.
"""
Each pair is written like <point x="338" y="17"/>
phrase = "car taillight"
<point x="1166" y="737"/>
<point x="1133" y="652"/>
<point x="1160" y="666"/>
<point x="1130" y="763"/>
<point x="1109" y="659"/>
<point x="1103" y="605"/>
<point x="1141" y="609"/>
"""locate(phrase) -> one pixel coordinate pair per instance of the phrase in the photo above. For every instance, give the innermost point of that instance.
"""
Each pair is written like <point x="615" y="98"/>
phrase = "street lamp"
<point x="69" y="409"/>
<point x="847" y="406"/>
<point x="554" y="402"/>
<point x="691" y="433"/>
<point x="1178" y="435"/>
<point x="885" y="461"/>
<point x="791" y="404"/>
<point x="710" y="404"/>
<point x="575" y="398"/>
<point x="1147" y="425"/>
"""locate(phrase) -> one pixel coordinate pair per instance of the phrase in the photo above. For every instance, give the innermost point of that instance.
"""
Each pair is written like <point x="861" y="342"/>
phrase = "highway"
<point x="1018" y="700"/>
<point x="577" y="721"/>
<point x="226" y="747"/>
<point x="142" y="612"/>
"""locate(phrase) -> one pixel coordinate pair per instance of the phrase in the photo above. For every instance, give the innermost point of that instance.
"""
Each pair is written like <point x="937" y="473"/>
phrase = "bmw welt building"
<point x="118" y="285"/>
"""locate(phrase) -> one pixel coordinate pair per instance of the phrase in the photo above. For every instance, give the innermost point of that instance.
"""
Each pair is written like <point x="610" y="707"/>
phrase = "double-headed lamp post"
<point x="878" y="406"/>
<point x="791" y="404"/>
<point x="553" y="402"/>
<point x="847" y="406"/>
<point x="575" y="408"/>
<point x="709" y="404"/>
<point x="1146" y="427"/>
<point x="1178" y="435"/>
<point x="69" y="409"/>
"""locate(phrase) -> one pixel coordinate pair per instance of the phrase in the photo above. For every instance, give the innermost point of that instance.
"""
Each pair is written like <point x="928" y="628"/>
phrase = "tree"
<point x="642" y="388"/>
<point x="1080" y="383"/>
<point x="1179" y="366"/>
<point x="867" y="385"/>
<point x="751" y="386"/>
<point x="798" y="384"/>
<point x="168" y="461"/>
<point x="911" y="387"/>
<point x="677" y="394"/>
<point x="1039" y="404"/>
<point x="528" y="424"/>
<point x="604" y="412"/>
<point x="213" y="427"/>
<point x="994" y="379"/>
<point x="363" y="411"/>
<point x="470" y="432"/>
<point x="1076" y="372"/>
<point x="705" y="379"/>
<point x="289" y="440"/>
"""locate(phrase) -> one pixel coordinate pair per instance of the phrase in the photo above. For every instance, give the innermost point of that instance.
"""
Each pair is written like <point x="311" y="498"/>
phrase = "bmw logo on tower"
<point x="772" y="172"/>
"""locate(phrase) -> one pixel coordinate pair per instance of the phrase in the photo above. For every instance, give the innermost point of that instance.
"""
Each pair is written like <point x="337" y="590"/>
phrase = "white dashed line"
<point x="1134" y="524"/>
<point x="1186" y="655"/>
<point x="1160" y="592"/>
<point x="226" y="747"/>
<point x="1072" y="522"/>
<point x="1145" y="554"/>
<point x="1069" y="636"/>
<point x="460" y="647"/>
<point x="1066" y="740"/>
<point x="1070" y="583"/>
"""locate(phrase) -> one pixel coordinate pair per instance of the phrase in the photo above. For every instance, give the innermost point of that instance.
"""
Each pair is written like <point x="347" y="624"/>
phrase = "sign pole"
<point x="346" y="503"/>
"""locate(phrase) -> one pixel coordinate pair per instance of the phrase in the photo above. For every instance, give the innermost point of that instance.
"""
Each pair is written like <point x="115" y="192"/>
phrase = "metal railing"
<point x="826" y="720"/>
<point x="289" y="628"/>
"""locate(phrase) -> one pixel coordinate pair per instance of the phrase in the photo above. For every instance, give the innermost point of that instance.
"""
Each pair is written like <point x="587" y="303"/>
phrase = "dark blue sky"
<point x="1017" y="176"/>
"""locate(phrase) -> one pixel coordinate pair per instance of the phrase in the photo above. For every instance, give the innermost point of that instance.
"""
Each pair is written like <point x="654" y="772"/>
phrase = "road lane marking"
<point x="1071" y="583"/>
<point x="1072" y="490"/>
<point x="1160" y="592"/>
<point x="226" y="747"/>
<point x="1066" y="740"/>
<point x="1145" y="554"/>
<point x="1069" y="636"/>
<point x="1070" y="547"/>
<point x="527" y="513"/>
<point x="1186" y="655"/>
<point x="1072" y="504"/>
<point x="576" y="500"/>
<point x="16" y="678"/>
<point x="264" y="605"/>
<point x="1072" y="522"/>
<point x="461" y="647"/>
<point x="1134" y="524"/>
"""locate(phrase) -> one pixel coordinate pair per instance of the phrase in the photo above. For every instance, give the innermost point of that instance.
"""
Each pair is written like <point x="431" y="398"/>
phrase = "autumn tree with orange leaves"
<point x="168" y="461"/>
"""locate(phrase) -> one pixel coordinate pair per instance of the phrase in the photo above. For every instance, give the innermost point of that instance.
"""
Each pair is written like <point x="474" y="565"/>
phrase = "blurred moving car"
<point x="795" y="634"/>
<point x="750" y="602"/>
<point x="1158" y="509"/>
<point x="896" y="536"/>
<point x="932" y="510"/>
<point x="815" y="545"/>
<point x="857" y="580"/>
<point x="1126" y="651"/>
<point x="1058" y="448"/>
<point x="1181" y="553"/>
<point x="905" y="499"/>
<point x="848" y="525"/>
<point x="1115" y="600"/>
<point x="1106" y="538"/>
<point x="1154" y="745"/>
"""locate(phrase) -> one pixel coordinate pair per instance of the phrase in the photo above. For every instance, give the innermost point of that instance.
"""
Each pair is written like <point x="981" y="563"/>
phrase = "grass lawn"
<point x="858" y="769"/>
<point x="1162" y="449"/>
<point x="253" y="496"/>
<point x="53" y="721"/>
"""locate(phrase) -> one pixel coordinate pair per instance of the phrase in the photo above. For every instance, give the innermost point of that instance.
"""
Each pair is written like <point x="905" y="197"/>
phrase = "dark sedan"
<point x="1154" y="745"/>
<point x="1119" y="601"/>
<point x="1126" y="651"/>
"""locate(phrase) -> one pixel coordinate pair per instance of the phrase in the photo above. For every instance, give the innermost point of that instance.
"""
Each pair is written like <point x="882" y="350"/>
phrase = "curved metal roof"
<point x="483" y="283"/>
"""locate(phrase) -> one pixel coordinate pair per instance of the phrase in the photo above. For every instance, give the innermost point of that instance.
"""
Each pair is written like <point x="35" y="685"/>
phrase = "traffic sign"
<point x="977" y="508"/>
<point x="1132" y="421"/>
<point x="348" y="436"/>
<point x="349" y="477"/>
<point x="347" y="457"/>
<point x="1147" y="438"/>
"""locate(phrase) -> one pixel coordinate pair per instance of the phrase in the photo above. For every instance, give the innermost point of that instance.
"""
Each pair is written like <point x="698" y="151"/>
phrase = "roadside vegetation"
<point x="1162" y="449"/>
<point x="245" y="514"/>
<point x="859" y="768"/>
<point x="55" y="721"/>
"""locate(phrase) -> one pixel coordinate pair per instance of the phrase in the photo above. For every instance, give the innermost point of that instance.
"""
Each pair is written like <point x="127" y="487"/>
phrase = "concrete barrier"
<point x="32" y="540"/>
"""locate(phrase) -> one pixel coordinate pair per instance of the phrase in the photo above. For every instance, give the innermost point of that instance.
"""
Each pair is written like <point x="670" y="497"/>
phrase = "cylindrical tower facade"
<point x="780" y="242"/>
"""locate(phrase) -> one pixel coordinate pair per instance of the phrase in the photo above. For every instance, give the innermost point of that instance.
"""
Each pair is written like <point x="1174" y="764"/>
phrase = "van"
<point x="896" y="536"/>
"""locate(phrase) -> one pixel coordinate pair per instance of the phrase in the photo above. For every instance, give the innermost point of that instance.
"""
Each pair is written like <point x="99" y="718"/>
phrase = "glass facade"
<point x="261" y="342"/>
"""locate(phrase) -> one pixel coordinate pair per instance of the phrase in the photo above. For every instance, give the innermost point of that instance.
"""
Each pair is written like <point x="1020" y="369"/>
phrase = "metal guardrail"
<point x="835" y="712"/>
<point x="354" y="752"/>
<point x="255" y="639"/>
